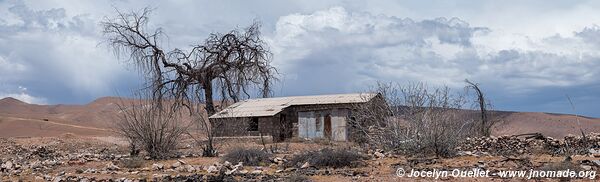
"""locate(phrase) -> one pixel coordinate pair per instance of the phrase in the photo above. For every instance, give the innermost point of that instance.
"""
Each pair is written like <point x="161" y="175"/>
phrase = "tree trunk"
<point x="484" y="127"/>
<point x="208" y="96"/>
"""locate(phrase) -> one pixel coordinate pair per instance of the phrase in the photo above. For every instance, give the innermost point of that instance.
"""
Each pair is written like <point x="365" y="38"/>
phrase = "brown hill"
<point x="553" y="125"/>
<point x="20" y="119"/>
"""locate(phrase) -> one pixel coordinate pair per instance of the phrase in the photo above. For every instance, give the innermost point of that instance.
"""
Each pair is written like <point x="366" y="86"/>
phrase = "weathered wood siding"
<point x="311" y="124"/>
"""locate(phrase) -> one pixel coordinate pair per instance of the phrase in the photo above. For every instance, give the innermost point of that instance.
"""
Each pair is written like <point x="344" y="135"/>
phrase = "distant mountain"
<point x="18" y="118"/>
<point x="10" y="101"/>
<point x="554" y="125"/>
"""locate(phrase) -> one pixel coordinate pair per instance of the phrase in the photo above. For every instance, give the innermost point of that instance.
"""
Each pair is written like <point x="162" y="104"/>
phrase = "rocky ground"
<point x="98" y="159"/>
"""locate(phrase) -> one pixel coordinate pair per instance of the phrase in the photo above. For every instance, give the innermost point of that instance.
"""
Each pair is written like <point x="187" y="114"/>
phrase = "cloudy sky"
<point x="527" y="55"/>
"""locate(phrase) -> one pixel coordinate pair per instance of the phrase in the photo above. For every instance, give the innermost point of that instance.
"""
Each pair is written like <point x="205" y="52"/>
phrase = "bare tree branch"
<point x="232" y="64"/>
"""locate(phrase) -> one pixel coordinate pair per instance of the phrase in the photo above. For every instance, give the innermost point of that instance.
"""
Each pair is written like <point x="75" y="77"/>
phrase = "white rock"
<point x="227" y="164"/>
<point x="212" y="169"/>
<point x="7" y="165"/>
<point x="176" y="164"/>
<point x="257" y="172"/>
<point x="239" y="165"/>
<point x="190" y="168"/>
<point x="57" y="179"/>
<point x="379" y="155"/>
<point x="586" y="167"/>
<point x="112" y="166"/>
<point x="229" y="172"/>
<point x="157" y="166"/>
<point x="305" y="165"/>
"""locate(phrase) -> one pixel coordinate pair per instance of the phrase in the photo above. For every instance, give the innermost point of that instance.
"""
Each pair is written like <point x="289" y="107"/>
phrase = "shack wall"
<point x="311" y="123"/>
<point x="240" y="126"/>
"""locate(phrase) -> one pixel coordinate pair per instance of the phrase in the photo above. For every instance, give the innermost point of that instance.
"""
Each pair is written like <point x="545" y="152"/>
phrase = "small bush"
<point x="135" y="162"/>
<point x="151" y="126"/>
<point x="327" y="157"/>
<point x="297" y="178"/>
<point x="251" y="157"/>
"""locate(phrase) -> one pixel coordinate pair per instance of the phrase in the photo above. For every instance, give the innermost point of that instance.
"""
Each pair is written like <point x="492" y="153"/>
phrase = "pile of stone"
<point x="178" y="166"/>
<point x="378" y="154"/>
<point x="531" y="143"/>
<point x="9" y="147"/>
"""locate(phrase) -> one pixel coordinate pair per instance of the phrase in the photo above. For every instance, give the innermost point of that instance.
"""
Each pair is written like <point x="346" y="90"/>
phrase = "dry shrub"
<point x="336" y="158"/>
<point x="151" y="126"/>
<point x="250" y="156"/>
<point x="413" y="119"/>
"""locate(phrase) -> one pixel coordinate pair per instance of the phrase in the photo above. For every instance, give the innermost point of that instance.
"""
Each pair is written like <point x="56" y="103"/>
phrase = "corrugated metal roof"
<point x="272" y="106"/>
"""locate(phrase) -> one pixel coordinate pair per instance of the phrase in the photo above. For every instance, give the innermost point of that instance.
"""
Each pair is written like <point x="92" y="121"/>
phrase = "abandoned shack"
<point x="283" y="118"/>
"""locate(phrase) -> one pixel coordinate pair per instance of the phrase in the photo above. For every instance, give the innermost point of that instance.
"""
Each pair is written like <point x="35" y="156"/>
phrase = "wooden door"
<point x="327" y="126"/>
<point x="285" y="128"/>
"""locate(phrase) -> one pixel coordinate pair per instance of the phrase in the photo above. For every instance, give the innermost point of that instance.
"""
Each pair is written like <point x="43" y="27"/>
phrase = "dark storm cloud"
<point x="52" y="51"/>
<point x="51" y="57"/>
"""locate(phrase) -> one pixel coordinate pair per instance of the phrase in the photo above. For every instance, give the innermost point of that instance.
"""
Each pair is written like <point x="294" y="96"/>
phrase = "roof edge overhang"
<point x="221" y="115"/>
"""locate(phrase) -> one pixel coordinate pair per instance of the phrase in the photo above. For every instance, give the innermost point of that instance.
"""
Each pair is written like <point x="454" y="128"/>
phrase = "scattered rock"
<point x="157" y="166"/>
<point x="379" y="155"/>
<point x="586" y="167"/>
<point x="176" y="165"/>
<point x="57" y="179"/>
<point x="305" y="165"/>
<point x="7" y="165"/>
<point x="112" y="167"/>
<point x="596" y="163"/>
<point x="528" y="143"/>
<point x="212" y="169"/>
<point x="229" y="172"/>
<point x="239" y="165"/>
<point x="190" y="168"/>
<point x="227" y="164"/>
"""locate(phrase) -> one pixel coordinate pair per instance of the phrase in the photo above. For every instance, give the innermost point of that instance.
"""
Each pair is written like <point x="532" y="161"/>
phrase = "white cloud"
<point x="352" y="48"/>
<point x="8" y="68"/>
<point x="22" y="95"/>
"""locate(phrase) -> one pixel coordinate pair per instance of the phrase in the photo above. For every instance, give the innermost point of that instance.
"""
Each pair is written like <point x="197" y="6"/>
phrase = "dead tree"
<point x="485" y="123"/>
<point x="233" y="64"/>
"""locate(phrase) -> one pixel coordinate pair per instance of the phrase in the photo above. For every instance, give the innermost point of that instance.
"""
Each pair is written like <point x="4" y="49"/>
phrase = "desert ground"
<point x="76" y="143"/>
